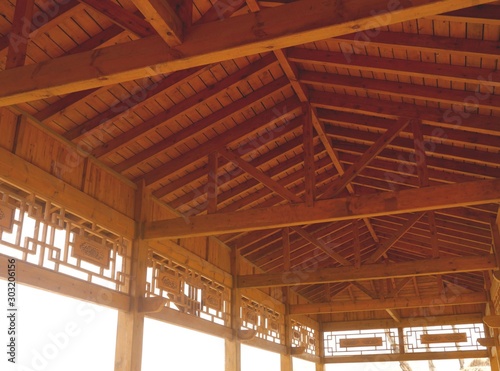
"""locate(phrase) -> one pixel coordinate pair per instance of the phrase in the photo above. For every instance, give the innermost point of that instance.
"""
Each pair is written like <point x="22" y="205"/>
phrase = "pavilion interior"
<point x="318" y="178"/>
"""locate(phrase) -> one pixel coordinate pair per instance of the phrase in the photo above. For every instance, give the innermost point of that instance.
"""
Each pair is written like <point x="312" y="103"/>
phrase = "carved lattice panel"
<point x="187" y="290"/>
<point x="361" y="342"/>
<point x="304" y="336"/>
<point x="39" y="232"/>
<point x="268" y="323"/>
<point x="443" y="338"/>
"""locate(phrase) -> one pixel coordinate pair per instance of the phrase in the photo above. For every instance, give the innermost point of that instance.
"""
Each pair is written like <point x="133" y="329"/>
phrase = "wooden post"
<point x="130" y="330"/>
<point x="233" y="346"/>
<point x="286" y="359"/>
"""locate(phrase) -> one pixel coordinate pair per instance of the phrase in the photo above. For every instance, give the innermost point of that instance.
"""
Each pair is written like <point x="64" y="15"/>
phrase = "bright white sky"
<point x="62" y="334"/>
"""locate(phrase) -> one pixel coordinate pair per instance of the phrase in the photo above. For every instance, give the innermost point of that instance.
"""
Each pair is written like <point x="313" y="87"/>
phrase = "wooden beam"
<point x="372" y="272"/>
<point x="121" y="17"/>
<point x="274" y="28"/>
<point x="20" y="33"/>
<point x="322" y="246"/>
<point x="260" y="176"/>
<point x="392" y="303"/>
<point x="339" y="184"/>
<point x="55" y="282"/>
<point x="22" y="174"/>
<point x="163" y="18"/>
<point x="424" y="356"/>
<point x="353" y="207"/>
<point x="372" y="324"/>
<point x="383" y="247"/>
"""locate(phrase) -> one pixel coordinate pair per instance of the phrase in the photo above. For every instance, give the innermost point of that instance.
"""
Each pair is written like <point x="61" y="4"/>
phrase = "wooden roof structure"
<point x="346" y="150"/>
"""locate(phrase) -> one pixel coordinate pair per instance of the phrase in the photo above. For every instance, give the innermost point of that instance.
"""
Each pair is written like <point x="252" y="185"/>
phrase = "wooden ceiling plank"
<point x="339" y="184"/>
<point x="259" y="175"/>
<point x="483" y="14"/>
<point x="396" y="66"/>
<point x="428" y="115"/>
<point x="163" y="18"/>
<point x="19" y="34"/>
<point x="274" y="28"/>
<point x="431" y="43"/>
<point x="244" y="186"/>
<point x="399" y="89"/>
<point x="393" y="303"/>
<point x="63" y="12"/>
<point x="121" y="17"/>
<point x="281" y="112"/>
<point x="119" y="109"/>
<point x="184" y="106"/>
<point x="368" y="272"/>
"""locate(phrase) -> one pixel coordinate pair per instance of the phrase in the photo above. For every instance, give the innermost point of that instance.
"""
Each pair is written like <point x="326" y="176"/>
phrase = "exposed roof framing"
<point x="353" y="139"/>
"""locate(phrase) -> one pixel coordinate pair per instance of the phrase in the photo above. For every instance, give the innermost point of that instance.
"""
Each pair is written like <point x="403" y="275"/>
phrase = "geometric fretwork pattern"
<point x="361" y="342"/>
<point x="303" y="336"/>
<point x="37" y="231"/>
<point x="268" y="323"/>
<point x="187" y="290"/>
<point x="443" y="338"/>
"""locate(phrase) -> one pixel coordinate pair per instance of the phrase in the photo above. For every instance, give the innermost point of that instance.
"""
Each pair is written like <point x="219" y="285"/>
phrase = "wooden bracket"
<point x="151" y="305"/>
<point x="246" y="334"/>
<point x="297" y="350"/>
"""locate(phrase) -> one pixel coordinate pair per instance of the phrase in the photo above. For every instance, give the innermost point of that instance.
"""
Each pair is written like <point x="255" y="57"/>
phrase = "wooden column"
<point x="286" y="359"/>
<point x="233" y="346"/>
<point x="130" y="332"/>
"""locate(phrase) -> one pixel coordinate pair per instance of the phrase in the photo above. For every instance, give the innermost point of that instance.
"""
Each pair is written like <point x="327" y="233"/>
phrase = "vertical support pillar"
<point x="320" y="366"/>
<point x="130" y="330"/>
<point x="233" y="346"/>
<point x="286" y="359"/>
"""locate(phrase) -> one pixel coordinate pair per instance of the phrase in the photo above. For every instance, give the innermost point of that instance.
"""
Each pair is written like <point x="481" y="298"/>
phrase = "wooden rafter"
<point x="121" y="17"/>
<point x="432" y="43"/>
<point x="164" y="19"/>
<point x="260" y="176"/>
<point x="339" y="184"/>
<point x="311" y="19"/>
<point x="412" y="200"/>
<point x="394" y="110"/>
<point x="281" y="112"/>
<point x="390" y="65"/>
<point x="383" y="247"/>
<point x="19" y="34"/>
